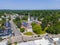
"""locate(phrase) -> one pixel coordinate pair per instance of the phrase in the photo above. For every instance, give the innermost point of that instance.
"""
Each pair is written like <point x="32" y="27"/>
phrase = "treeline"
<point x="32" y="12"/>
<point x="49" y="18"/>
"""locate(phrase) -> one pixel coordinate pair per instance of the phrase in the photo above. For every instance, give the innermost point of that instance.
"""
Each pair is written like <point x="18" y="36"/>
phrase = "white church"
<point x="28" y="25"/>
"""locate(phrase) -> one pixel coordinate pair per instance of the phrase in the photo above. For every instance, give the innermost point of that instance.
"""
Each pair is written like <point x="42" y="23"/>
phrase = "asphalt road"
<point x="15" y="30"/>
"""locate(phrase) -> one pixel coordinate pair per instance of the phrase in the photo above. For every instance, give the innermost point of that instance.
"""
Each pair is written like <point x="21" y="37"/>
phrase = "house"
<point x="7" y="32"/>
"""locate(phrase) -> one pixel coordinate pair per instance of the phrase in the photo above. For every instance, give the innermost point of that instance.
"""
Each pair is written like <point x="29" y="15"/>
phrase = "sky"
<point x="29" y="4"/>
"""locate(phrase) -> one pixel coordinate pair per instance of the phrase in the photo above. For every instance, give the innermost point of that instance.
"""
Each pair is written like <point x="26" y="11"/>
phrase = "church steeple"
<point x="28" y="17"/>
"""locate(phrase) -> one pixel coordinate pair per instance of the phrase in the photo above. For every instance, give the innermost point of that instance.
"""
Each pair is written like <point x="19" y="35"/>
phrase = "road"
<point x="17" y="34"/>
<point x="14" y="29"/>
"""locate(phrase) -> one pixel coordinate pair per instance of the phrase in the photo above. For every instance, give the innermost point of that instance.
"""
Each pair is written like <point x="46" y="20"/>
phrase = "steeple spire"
<point x="28" y="17"/>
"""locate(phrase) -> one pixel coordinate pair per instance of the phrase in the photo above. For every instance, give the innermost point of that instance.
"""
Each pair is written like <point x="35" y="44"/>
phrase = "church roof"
<point x="24" y="24"/>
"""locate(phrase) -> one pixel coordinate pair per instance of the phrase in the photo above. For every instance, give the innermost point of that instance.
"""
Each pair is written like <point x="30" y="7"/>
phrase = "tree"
<point x="37" y="29"/>
<point x="33" y="23"/>
<point x="54" y="29"/>
<point x="9" y="18"/>
<point x="24" y="18"/>
<point x="17" y="22"/>
<point x="22" y="29"/>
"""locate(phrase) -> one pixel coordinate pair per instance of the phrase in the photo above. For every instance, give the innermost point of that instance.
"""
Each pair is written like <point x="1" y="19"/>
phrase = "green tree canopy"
<point x="22" y="29"/>
<point x="37" y="29"/>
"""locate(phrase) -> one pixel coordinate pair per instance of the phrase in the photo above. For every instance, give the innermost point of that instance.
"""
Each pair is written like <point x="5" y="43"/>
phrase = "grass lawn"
<point x="28" y="33"/>
<point x="23" y="20"/>
<point x="43" y="32"/>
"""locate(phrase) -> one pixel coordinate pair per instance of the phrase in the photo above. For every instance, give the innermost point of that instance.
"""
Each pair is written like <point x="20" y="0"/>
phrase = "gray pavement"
<point x="17" y="34"/>
<point x="13" y="28"/>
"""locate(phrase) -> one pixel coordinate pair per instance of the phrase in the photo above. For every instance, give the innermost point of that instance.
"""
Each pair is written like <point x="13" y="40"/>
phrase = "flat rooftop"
<point x="42" y="41"/>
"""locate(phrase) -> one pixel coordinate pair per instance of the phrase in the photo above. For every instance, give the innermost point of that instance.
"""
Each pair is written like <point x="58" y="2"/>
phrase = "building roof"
<point x="7" y="24"/>
<point x="27" y="43"/>
<point x="6" y="32"/>
<point x="42" y="41"/>
<point x="24" y="24"/>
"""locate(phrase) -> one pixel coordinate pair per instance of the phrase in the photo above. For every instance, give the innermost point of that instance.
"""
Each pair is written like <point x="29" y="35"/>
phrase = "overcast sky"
<point x="29" y="4"/>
